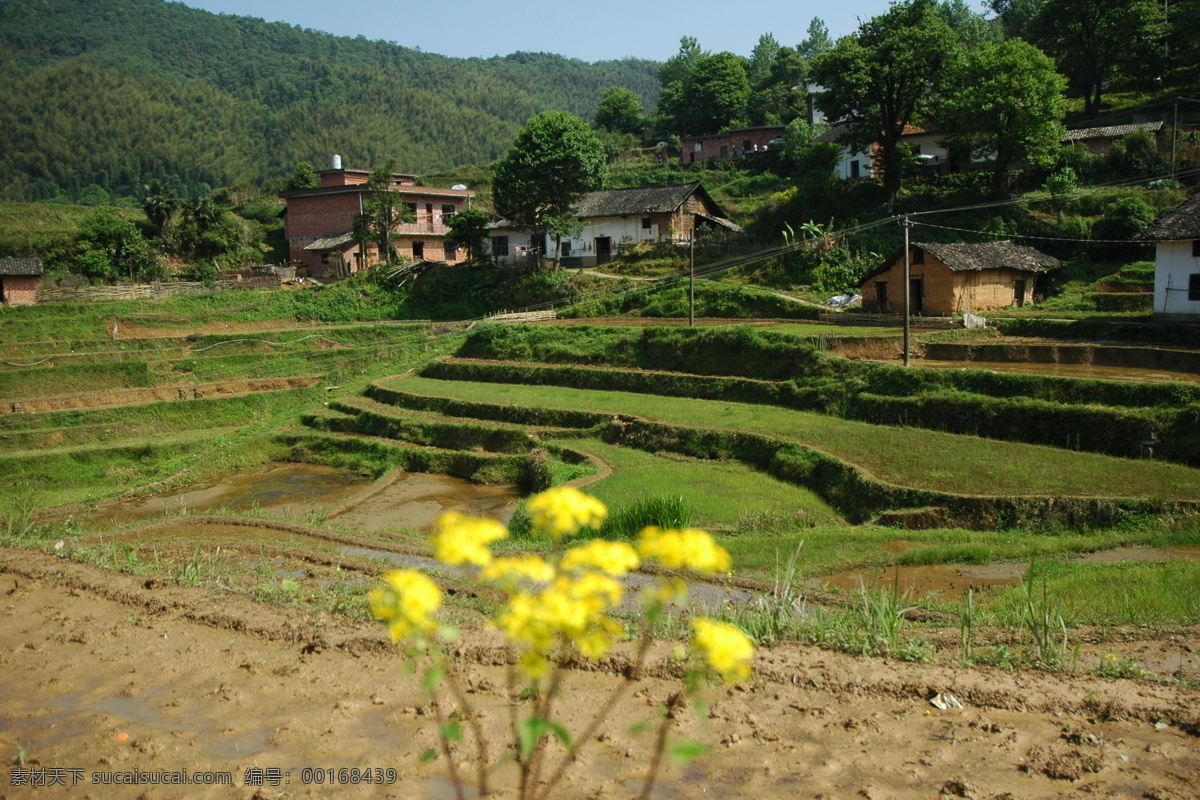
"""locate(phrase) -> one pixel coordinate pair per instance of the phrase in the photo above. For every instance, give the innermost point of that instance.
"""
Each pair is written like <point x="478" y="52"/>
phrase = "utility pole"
<point x="1174" y="134"/>
<point x="907" y="286"/>
<point x="692" y="280"/>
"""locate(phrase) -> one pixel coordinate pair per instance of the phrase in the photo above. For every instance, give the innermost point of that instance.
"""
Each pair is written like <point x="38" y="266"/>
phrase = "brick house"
<point x="953" y="278"/>
<point x="1176" y="237"/>
<point x="612" y="218"/>
<point x="319" y="221"/>
<point x="19" y="280"/>
<point x="732" y="143"/>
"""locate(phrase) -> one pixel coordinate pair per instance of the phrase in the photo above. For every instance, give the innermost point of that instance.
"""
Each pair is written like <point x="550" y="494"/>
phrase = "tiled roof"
<point x="964" y="257"/>
<point x="1180" y="223"/>
<point x="638" y="200"/>
<point x="1110" y="131"/>
<point x="331" y="242"/>
<point x="20" y="266"/>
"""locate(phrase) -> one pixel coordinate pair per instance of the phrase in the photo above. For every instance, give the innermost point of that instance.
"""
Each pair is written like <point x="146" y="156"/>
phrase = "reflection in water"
<point x="286" y="488"/>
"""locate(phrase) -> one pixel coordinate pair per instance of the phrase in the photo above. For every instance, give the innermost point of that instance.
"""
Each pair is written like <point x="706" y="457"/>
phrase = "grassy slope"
<point x="908" y="457"/>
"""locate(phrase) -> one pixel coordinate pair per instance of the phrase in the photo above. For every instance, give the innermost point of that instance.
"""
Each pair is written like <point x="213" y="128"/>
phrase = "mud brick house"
<point x="613" y="218"/>
<point x="1176" y="235"/>
<point x="319" y="221"/>
<point x="953" y="278"/>
<point x="19" y="280"/>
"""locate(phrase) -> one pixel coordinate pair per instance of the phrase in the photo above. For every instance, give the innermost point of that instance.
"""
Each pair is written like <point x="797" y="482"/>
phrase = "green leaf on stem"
<point x="685" y="751"/>
<point x="531" y="730"/>
<point x="429" y="755"/>
<point x="451" y="731"/>
<point x="433" y="678"/>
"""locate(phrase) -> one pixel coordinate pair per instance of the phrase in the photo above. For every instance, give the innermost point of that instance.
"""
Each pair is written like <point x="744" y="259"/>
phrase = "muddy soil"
<point x="166" y="393"/>
<point x="107" y="672"/>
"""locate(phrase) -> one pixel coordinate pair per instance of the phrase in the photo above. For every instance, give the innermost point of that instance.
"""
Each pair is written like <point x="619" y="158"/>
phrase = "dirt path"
<point x="107" y="672"/>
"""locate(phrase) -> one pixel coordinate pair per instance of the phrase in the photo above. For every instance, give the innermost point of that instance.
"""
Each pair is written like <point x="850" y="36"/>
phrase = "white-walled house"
<point x="1176" y="235"/>
<point x="613" y="218"/>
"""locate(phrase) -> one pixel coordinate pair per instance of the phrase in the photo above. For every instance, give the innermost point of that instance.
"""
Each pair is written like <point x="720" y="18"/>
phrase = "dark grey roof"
<point x="331" y="242"/>
<point x="638" y="200"/>
<point x="20" y="266"/>
<point x="1180" y="223"/>
<point x="1110" y="131"/>
<point x="964" y="257"/>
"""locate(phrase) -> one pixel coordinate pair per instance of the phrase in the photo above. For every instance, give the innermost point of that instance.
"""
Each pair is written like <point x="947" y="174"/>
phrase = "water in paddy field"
<point x="415" y="500"/>
<point x="952" y="581"/>
<point x="282" y="488"/>
<point x="1064" y="370"/>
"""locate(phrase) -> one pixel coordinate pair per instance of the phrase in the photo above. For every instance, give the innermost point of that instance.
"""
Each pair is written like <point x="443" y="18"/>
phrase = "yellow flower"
<point x="683" y="549"/>
<point x="407" y="604"/>
<point x="463" y="540"/>
<point x="563" y="511"/>
<point x="614" y="558"/>
<point x="724" y="648"/>
<point x="511" y="569"/>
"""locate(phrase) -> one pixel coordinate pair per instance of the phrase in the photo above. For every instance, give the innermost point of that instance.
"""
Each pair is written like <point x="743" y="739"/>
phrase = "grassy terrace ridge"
<point x="723" y="494"/>
<point x="908" y="457"/>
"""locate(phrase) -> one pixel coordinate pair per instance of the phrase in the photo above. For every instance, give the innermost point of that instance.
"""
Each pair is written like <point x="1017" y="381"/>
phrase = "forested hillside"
<point x="101" y="96"/>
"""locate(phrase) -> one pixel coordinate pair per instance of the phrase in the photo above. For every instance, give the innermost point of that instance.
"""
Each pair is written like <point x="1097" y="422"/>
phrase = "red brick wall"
<point x="19" y="290"/>
<point x="712" y="144"/>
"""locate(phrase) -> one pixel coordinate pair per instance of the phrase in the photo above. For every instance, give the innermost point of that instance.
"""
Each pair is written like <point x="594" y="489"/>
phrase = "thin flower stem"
<point x="454" y="776"/>
<point x="634" y="674"/>
<point x="480" y="741"/>
<point x="660" y="745"/>
<point x="547" y="702"/>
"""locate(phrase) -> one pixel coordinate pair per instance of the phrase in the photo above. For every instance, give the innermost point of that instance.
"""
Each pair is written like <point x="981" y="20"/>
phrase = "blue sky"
<point x="590" y="31"/>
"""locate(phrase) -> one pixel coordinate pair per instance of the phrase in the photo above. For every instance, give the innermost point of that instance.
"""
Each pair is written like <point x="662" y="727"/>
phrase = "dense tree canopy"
<point x="886" y="76"/>
<point x="555" y="158"/>
<point x="1093" y="40"/>
<point x="1005" y="100"/>
<point x="620" y="111"/>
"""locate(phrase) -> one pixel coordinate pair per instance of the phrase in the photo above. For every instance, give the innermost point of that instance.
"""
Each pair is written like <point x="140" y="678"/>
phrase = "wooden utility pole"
<point x="907" y="286"/>
<point x="692" y="280"/>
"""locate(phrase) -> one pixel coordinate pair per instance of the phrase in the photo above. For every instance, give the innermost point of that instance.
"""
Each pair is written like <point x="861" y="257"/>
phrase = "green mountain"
<point x="115" y="93"/>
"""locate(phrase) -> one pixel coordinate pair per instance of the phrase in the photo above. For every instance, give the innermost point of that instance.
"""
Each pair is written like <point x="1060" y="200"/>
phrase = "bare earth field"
<point x="106" y="672"/>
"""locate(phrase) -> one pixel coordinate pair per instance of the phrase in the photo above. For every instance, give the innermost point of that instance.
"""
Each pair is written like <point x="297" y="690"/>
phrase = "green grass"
<point x="720" y="493"/>
<point x="814" y="330"/>
<point x="903" y="456"/>
<point x="1120" y="593"/>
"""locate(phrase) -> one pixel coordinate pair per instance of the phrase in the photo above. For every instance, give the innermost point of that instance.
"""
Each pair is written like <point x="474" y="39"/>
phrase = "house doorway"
<point x="916" y="295"/>
<point x="881" y="297"/>
<point x="603" y="249"/>
<point x="1019" y="293"/>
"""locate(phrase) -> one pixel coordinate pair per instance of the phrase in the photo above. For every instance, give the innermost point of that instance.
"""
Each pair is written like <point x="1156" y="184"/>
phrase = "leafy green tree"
<point x="1094" y="41"/>
<point x="761" y="58"/>
<point x="713" y="96"/>
<point x="972" y="28"/>
<point x="1007" y="100"/>
<point x="781" y="96"/>
<point x="620" y="111"/>
<point x="304" y="177"/>
<point x="885" y="76"/>
<point x="1061" y="184"/>
<point x="555" y="158"/>
<point x="109" y="247"/>
<point x="160" y="203"/>
<point x="1017" y="18"/>
<point x="382" y="211"/>
<point x="818" y="40"/>
<point x="469" y="230"/>
<point x="678" y="68"/>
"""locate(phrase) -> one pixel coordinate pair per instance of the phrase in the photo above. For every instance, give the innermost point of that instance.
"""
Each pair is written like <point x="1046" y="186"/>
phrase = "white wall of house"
<point x="509" y="246"/>
<point x="620" y="230"/>
<point x="845" y="168"/>
<point x="1174" y="268"/>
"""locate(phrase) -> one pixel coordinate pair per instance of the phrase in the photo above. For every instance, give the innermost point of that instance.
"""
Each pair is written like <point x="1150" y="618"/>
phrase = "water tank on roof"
<point x="335" y="162"/>
<point x="459" y="187"/>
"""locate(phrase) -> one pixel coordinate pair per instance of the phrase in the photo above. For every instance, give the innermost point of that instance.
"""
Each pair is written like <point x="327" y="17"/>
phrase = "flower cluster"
<point x="564" y="602"/>
<point x="683" y="549"/>
<point x="724" y="648"/>
<point x="563" y="511"/>
<point x="407" y="603"/>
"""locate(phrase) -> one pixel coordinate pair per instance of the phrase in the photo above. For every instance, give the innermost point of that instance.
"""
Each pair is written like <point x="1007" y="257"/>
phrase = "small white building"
<point x="1176" y="235"/>
<point x="611" y="219"/>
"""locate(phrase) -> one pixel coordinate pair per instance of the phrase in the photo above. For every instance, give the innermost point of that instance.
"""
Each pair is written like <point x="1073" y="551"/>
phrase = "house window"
<point x="1194" y="288"/>
<point x="747" y="145"/>
<point x="645" y="223"/>
<point x="724" y="151"/>
<point x="412" y="210"/>
<point x="499" y="246"/>
<point x="1196" y="248"/>
<point x="447" y="211"/>
<point x="565" y="249"/>
<point x="699" y="147"/>
<point x="917" y="257"/>
<point x="854" y="169"/>
<point x="418" y="249"/>
<point x="451" y="252"/>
